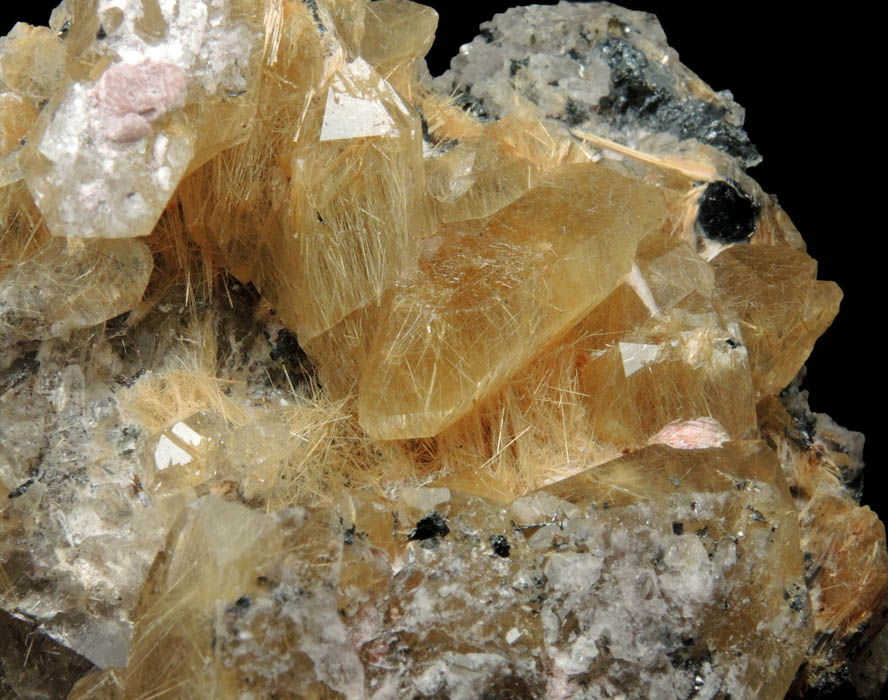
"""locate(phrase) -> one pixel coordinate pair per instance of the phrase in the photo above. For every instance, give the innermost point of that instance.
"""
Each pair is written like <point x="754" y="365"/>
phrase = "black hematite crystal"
<point x="727" y="214"/>
<point x="501" y="546"/>
<point x="430" y="526"/>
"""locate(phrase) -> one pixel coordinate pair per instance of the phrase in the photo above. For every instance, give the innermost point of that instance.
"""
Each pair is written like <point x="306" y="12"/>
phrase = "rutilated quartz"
<point x="534" y="445"/>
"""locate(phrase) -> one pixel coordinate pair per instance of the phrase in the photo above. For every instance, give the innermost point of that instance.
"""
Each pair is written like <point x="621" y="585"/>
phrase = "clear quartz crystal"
<point x="114" y="142"/>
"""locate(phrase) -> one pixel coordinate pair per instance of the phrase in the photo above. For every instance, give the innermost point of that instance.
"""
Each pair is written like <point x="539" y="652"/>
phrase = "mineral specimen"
<point x="323" y="377"/>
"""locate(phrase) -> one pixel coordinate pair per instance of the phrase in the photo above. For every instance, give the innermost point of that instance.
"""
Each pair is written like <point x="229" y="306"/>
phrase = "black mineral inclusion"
<point x="500" y="545"/>
<point x="430" y="526"/>
<point x="643" y="94"/>
<point x="727" y="214"/>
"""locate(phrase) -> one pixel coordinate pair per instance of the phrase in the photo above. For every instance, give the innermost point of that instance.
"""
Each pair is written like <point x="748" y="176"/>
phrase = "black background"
<point x="809" y="83"/>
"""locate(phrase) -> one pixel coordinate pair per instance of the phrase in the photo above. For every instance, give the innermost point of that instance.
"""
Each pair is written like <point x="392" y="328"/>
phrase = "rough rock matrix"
<point x="323" y="377"/>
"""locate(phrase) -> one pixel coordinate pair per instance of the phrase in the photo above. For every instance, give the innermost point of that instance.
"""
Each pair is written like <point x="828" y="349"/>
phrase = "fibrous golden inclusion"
<point x="322" y="377"/>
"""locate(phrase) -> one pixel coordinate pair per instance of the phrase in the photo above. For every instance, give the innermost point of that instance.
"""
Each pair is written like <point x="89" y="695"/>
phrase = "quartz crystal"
<point x="506" y="286"/>
<point x="324" y="377"/>
<point x="152" y="91"/>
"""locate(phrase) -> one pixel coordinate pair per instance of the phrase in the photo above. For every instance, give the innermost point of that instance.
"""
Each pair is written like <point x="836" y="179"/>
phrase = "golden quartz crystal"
<point x="321" y="377"/>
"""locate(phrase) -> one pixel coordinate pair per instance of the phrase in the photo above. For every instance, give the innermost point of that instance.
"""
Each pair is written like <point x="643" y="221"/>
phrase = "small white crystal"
<point x="168" y="453"/>
<point x="349" y="114"/>
<point x="186" y="434"/>
<point x="637" y="355"/>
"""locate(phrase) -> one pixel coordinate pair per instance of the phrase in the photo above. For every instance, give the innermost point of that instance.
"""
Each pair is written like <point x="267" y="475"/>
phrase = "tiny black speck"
<point x="488" y="35"/>
<point x="657" y="559"/>
<point x="797" y="598"/>
<point x="516" y="65"/>
<point x="678" y="528"/>
<point x="101" y="34"/>
<point x="316" y="13"/>
<point x="574" y="112"/>
<point x="430" y="526"/>
<point x="469" y="103"/>
<point x="501" y="546"/>
<point x="243" y="602"/>
<point x="423" y="123"/>
<point x="20" y="489"/>
<point x="350" y="535"/>
<point x="727" y="214"/>
<point x="756" y="514"/>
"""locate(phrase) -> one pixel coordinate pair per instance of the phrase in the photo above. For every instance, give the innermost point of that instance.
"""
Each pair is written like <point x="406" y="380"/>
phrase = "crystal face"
<point x="323" y="377"/>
